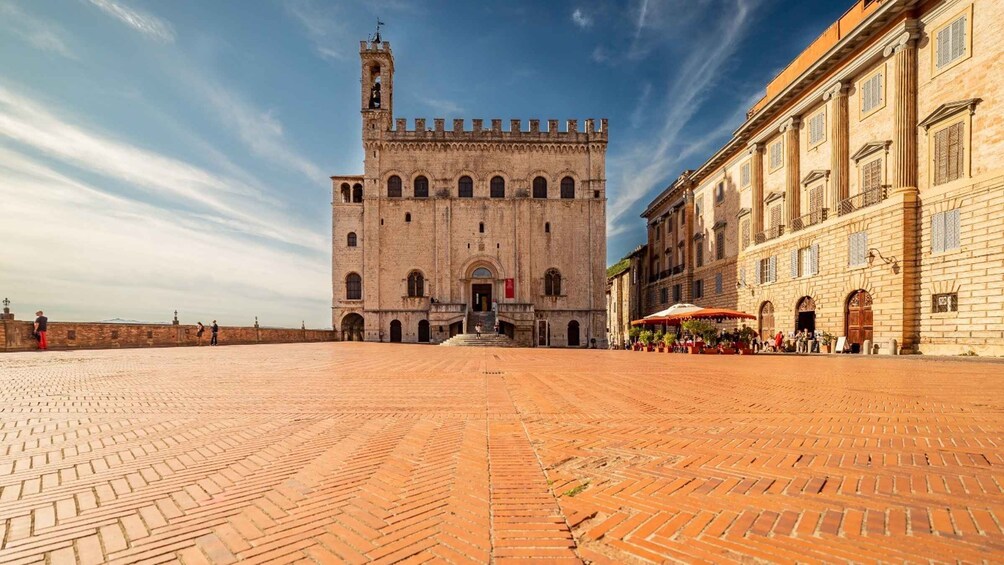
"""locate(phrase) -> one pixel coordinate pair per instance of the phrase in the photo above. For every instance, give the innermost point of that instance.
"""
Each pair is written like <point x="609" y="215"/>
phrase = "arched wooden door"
<point x="805" y="314"/>
<point x="395" y="331"/>
<point x="423" y="331"/>
<point x="573" y="334"/>
<point x="766" y="321"/>
<point x="859" y="317"/>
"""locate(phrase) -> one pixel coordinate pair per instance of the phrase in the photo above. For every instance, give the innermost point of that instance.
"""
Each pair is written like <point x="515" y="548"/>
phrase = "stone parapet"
<point x="16" y="335"/>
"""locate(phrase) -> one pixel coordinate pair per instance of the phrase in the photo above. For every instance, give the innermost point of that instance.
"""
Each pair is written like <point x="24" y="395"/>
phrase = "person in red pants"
<point x="41" y="323"/>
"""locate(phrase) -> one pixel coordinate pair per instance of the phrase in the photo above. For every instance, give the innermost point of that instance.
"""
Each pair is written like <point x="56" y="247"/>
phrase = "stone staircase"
<point x="488" y="339"/>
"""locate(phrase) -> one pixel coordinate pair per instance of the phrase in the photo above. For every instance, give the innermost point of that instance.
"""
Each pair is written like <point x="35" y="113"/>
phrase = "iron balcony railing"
<point x="769" y="234"/>
<point x="677" y="269"/>
<point x="863" y="200"/>
<point x="810" y="219"/>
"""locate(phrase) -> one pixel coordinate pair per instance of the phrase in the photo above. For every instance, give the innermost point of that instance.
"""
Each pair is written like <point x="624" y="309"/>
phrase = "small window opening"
<point x="481" y="227"/>
<point x="596" y="194"/>
<point x="547" y="227"/>
<point x="407" y="216"/>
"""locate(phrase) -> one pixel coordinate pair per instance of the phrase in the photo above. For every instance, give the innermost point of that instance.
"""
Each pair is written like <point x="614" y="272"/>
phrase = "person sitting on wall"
<point x="199" y="330"/>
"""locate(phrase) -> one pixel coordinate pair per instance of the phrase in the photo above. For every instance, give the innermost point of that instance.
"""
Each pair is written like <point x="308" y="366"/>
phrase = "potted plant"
<point x="633" y="333"/>
<point x="669" y="338"/>
<point x="702" y="328"/>
<point x="746" y="335"/>
<point x="657" y="338"/>
<point x="826" y="340"/>
<point x="646" y="339"/>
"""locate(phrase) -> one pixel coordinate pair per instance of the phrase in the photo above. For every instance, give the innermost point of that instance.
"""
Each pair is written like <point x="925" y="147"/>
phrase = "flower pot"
<point x="829" y="347"/>
<point x="661" y="348"/>
<point x="694" y="349"/>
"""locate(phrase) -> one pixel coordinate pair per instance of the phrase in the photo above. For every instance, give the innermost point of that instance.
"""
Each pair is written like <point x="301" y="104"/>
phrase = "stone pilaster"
<point x="792" y="190"/>
<point x="840" y="160"/>
<point x="904" y="147"/>
<point x="756" y="181"/>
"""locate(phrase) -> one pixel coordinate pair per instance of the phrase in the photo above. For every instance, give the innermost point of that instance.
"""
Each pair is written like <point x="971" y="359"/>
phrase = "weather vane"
<point x="376" y="36"/>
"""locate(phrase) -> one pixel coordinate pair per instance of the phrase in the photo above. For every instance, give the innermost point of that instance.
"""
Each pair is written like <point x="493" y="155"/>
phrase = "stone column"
<point x="792" y="191"/>
<point x="756" y="181"/>
<point x="904" y="165"/>
<point x="840" y="158"/>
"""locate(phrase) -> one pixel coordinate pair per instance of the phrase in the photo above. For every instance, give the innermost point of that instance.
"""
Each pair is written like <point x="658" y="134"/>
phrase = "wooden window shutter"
<point x="955" y="149"/>
<point x="816" y="199"/>
<point x="941" y="157"/>
<point x="794" y="263"/>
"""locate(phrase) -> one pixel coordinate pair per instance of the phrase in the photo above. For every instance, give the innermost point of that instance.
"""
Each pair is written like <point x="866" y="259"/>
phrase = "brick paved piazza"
<point x="376" y="452"/>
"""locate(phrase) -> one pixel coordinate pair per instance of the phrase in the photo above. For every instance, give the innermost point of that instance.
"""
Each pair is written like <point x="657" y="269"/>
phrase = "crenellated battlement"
<point x="374" y="46"/>
<point x="494" y="131"/>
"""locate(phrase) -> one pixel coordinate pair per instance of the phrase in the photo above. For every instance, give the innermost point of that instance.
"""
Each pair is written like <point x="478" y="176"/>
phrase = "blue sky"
<point x="162" y="155"/>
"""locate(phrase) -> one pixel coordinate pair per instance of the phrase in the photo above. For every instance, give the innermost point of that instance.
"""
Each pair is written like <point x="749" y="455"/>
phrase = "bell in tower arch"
<point x="375" y="95"/>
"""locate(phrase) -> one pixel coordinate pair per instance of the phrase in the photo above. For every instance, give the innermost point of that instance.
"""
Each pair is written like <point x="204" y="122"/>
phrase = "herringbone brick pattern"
<point x="353" y="453"/>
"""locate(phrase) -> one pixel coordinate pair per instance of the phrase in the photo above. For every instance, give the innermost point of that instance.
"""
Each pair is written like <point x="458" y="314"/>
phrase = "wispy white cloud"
<point x="581" y="19"/>
<point x="179" y="184"/>
<point x="95" y="255"/>
<point x="324" y="27"/>
<point x="260" y="131"/>
<point x="445" y="107"/>
<point x="41" y="34"/>
<point x="149" y="25"/>
<point x="643" y="168"/>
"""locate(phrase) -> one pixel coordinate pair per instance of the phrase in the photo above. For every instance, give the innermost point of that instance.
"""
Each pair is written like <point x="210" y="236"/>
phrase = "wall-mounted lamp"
<point x="873" y="253"/>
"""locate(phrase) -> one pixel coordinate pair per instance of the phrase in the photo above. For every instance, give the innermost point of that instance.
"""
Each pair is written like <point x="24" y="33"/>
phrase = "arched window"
<point x="416" y="284"/>
<point x="357" y="193"/>
<point x="465" y="187"/>
<point x="552" y="283"/>
<point x="498" y="187"/>
<point x="481" y="273"/>
<point x="547" y="227"/>
<point x="568" y="187"/>
<point x="353" y="287"/>
<point x="352" y="239"/>
<point x="407" y="217"/>
<point x="540" y="187"/>
<point x="346" y="193"/>
<point x="394" y="186"/>
<point x="421" y="187"/>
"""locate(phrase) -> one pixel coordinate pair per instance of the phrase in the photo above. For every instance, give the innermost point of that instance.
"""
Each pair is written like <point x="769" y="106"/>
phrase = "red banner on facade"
<point x="510" y="288"/>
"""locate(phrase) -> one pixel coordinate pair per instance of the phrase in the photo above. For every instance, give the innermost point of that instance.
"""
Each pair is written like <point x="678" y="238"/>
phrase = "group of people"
<point x="478" y="328"/>
<point x="803" y="340"/>
<point x="200" y="329"/>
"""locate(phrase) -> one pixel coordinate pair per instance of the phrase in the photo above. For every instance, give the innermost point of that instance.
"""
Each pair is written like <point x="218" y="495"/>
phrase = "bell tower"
<point x="377" y="64"/>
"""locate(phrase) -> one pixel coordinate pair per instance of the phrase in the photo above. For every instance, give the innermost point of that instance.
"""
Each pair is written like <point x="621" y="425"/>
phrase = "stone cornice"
<point x="948" y="110"/>
<point x="815" y="175"/>
<point x="870" y="148"/>
<point x="776" y="195"/>
<point x="742" y="212"/>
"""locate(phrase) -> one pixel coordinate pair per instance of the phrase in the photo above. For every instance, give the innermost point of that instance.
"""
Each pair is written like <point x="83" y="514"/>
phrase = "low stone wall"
<point x="15" y="335"/>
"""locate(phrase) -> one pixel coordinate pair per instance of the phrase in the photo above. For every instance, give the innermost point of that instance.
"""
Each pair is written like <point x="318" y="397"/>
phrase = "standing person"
<point x="199" y="330"/>
<point x="778" y="341"/>
<point x="41" y="327"/>
<point x="216" y="330"/>
<point x="477" y="329"/>
<point x="496" y="325"/>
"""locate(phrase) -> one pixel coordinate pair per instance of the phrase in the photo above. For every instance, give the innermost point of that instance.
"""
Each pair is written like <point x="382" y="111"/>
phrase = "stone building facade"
<point x="624" y="283"/>
<point x="449" y="227"/>
<point x="864" y="194"/>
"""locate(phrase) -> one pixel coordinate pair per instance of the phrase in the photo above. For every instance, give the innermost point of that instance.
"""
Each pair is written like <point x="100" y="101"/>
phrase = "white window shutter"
<point x="952" y="235"/>
<point x="958" y="38"/>
<point x="944" y="46"/>
<point x="772" y="269"/>
<point x="794" y="263"/>
<point x="938" y="232"/>
<point x="814" y="250"/>
<point x="756" y="272"/>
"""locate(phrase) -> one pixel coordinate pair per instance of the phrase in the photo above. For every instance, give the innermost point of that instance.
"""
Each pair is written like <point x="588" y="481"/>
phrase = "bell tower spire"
<point x="377" y="65"/>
